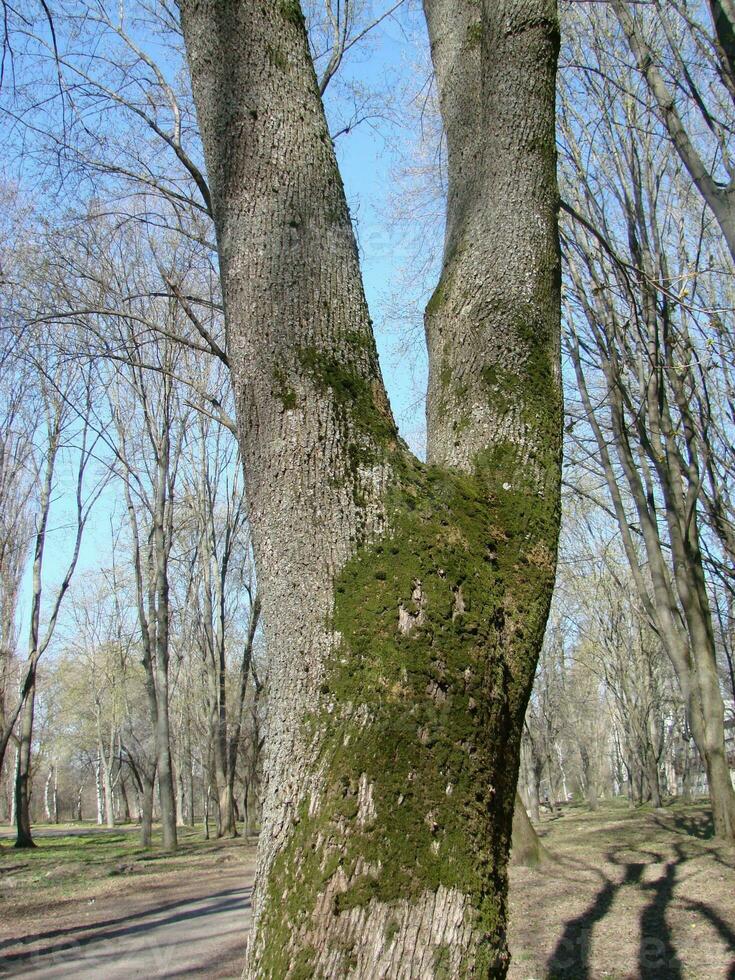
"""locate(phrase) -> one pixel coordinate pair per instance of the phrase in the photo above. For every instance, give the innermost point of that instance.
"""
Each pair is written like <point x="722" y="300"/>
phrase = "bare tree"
<point x="652" y="411"/>
<point x="689" y="68"/>
<point x="213" y="492"/>
<point x="64" y="427"/>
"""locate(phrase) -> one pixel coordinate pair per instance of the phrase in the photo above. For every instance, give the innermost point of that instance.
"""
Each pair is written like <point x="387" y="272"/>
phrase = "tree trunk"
<point x="527" y="849"/>
<point x="227" y="826"/>
<point x="146" y="816"/>
<point x="13" y="779"/>
<point x="406" y="602"/>
<point x="106" y="781"/>
<point x="166" y="794"/>
<point x="180" y="798"/>
<point x="80" y="801"/>
<point x="189" y="772"/>
<point x="207" y="798"/>
<point x="126" y="815"/>
<point x="23" y="836"/>
<point x="588" y="777"/>
<point x="47" y="790"/>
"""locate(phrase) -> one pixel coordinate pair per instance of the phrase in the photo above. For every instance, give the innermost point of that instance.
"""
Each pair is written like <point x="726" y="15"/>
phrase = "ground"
<point x="93" y="904"/>
<point x="632" y="893"/>
<point x="635" y="893"/>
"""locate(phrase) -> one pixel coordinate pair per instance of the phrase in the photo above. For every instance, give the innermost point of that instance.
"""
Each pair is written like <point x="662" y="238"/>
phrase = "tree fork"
<point x="406" y="601"/>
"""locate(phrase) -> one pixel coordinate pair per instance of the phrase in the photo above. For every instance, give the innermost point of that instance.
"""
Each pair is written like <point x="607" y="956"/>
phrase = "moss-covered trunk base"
<point x="396" y="864"/>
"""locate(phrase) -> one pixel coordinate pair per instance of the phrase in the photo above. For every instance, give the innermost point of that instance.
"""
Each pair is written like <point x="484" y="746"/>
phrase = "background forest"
<point x="130" y="649"/>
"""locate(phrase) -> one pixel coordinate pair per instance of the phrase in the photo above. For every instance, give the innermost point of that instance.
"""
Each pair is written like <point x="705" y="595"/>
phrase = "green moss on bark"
<point x="474" y="35"/>
<point x="291" y="12"/>
<point x="354" y="395"/>
<point x="425" y="720"/>
<point x="282" y="390"/>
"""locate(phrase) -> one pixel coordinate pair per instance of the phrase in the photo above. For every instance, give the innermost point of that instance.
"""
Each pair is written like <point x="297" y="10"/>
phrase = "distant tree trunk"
<point x="234" y="744"/>
<point x="47" y="794"/>
<point x="654" y="784"/>
<point x="526" y="848"/>
<point x="552" y="765"/>
<point x="180" y="798"/>
<point x="99" y="787"/>
<point x="163" y="535"/>
<point x="534" y="767"/>
<point x="404" y="603"/>
<point x="226" y="809"/>
<point x="106" y="780"/>
<point x="80" y="798"/>
<point x="13" y="780"/>
<point x="207" y="798"/>
<point x="189" y="772"/>
<point x="126" y="815"/>
<point x="152" y="594"/>
<point x="51" y="795"/>
<point x="588" y="778"/>
<point x="23" y="836"/>
<point x="146" y="821"/>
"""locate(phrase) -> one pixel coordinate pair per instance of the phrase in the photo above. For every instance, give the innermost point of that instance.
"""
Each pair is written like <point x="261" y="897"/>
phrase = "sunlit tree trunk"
<point x="404" y="603"/>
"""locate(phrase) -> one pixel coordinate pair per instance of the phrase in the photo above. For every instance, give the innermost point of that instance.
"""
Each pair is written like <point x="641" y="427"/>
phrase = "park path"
<point x="198" y="930"/>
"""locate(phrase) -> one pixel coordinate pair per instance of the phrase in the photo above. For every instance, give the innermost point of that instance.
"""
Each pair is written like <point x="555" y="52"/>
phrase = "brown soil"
<point x="631" y="894"/>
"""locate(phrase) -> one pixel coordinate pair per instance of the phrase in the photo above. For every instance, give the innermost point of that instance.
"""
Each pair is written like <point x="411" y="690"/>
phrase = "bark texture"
<point x="404" y="603"/>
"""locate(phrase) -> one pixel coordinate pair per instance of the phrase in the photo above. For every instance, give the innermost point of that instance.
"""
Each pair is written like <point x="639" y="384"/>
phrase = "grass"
<point x="82" y="866"/>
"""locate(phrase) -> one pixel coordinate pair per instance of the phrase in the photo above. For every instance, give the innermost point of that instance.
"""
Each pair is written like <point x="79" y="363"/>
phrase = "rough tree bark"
<point x="405" y="603"/>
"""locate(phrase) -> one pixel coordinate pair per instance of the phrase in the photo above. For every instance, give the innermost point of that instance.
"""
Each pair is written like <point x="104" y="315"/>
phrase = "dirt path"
<point x="140" y="917"/>
<point x="200" y="934"/>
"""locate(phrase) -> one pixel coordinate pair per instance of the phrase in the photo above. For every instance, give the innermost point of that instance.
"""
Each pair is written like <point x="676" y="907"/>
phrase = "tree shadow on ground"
<point x="701" y="908"/>
<point x="700" y="825"/>
<point x="657" y="958"/>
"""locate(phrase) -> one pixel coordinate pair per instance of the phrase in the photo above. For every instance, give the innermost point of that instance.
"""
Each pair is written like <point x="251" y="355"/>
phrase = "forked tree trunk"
<point x="406" y="602"/>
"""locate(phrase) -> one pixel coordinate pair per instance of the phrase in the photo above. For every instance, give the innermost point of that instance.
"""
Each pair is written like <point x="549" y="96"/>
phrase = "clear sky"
<point x="370" y="157"/>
